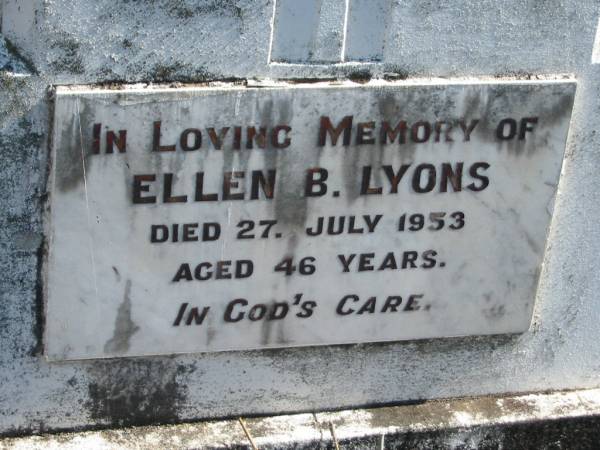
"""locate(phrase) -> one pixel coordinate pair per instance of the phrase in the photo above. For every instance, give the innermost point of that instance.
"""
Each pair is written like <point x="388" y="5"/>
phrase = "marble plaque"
<point x="229" y="217"/>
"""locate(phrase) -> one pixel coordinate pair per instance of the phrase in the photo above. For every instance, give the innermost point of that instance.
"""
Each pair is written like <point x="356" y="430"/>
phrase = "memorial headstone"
<point x="232" y="217"/>
<point x="225" y="209"/>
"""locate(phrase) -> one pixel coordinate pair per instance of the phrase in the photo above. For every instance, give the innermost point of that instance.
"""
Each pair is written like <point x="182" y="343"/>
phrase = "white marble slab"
<point x="111" y="291"/>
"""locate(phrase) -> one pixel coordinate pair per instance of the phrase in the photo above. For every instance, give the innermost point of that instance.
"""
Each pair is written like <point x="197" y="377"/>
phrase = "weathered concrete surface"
<point x="10" y="62"/>
<point x="101" y="41"/>
<point x="537" y="421"/>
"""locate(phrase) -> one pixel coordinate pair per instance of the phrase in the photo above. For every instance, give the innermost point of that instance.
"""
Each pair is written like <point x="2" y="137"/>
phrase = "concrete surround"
<point x="534" y="421"/>
<point x="65" y="42"/>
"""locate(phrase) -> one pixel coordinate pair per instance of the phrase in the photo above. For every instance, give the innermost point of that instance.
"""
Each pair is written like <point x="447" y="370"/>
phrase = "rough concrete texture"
<point x="85" y="41"/>
<point x="10" y="62"/>
<point x="539" y="421"/>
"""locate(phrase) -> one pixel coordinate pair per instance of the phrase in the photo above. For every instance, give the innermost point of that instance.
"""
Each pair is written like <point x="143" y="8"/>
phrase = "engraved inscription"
<point x="245" y="218"/>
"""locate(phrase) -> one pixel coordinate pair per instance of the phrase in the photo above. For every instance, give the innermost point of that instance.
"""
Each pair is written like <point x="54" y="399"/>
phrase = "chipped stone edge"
<point x="298" y="430"/>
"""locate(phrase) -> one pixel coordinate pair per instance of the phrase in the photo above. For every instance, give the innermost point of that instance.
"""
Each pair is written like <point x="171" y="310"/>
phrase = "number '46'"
<point x="305" y="266"/>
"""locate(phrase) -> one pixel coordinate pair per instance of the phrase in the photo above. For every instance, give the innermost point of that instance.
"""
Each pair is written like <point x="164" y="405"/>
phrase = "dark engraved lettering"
<point x="237" y="138"/>
<point x="331" y="225"/>
<point x="507" y="129"/>
<point x="452" y="175"/>
<point x="217" y="139"/>
<point x="183" y="273"/>
<point x="365" y="188"/>
<point x="180" y="314"/>
<point x="429" y="258"/>
<point x="97" y="128"/>
<point x="352" y="229"/>
<point x="211" y="231"/>
<point x="229" y="184"/>
<point x="341" y="309"/>
<point x="412" y="304"/>
<point x="364" y="133"/>
<point x="447" y="129"/>
<point x="315" y="182"/>
<point x="244" y="268"/>
<point x="189" y="232"/>
<point x="275" y="141"/>
<point x="420" y="132"/>
<point x="222" y="272"/>
<point x="307" y="309"/>
<point x="257" y="312"/>
<point x="389" y="262"/>
<point x="346" y="261"/>
<point x="168" y="196"/>
<point x="156" y="147"/>
<point x="399" y="131"/>
<point x="252" y="136"/>
<point x="184" y="140"/>
<point x="392" y="303"/>
<point x="474" y="172"/>
<point x="371" y="224"/>
<point x="139" y="187"/>
<point x="468" y="129"/>
<point x="202" y="271"/>
<point x="228" y="316"/>
<point x="326" y="128"/>
<point x="409" y="259"/>
<point x="278" y="311"/>
<point x="260" y="182"/>
<point x="120" y="142"/>
<point x="526" y="126"/>
<point x="369" y="306"/>
<point x="197" y="317"/>
<point x="395" y="178"/>
<point x="315" y="231"/>
<point x="430" y="177"/>
<point x="200" y="195"/>
<point x="159" y="233"/>
<point x="364" y="262"/>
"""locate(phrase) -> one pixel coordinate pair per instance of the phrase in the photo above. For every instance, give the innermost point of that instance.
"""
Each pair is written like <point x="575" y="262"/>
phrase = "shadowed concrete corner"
<point x="11" y="62"/>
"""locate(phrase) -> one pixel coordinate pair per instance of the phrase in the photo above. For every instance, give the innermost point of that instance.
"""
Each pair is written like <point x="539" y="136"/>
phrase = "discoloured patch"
<point x="69" y="59"/>
<point x="187" y="9"/>
<point x="136" y="391"/>
<point x="291" y="206"/>
<point x="495" y="312"/>
<point x="13" y="101"/>
<point x="180" y="72"/>
<point x="393" y="73"/>
<point x="73" y="158"/>
<point x="359" y="75"/>
<point x="21" y="245"/>
<point x="11" y="59"/>
<point x="38" y="306"/>
<point x="125" y="328"/>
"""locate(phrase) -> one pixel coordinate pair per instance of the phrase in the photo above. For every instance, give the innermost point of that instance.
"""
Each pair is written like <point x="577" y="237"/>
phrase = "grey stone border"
<point x="569" y="420"/>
